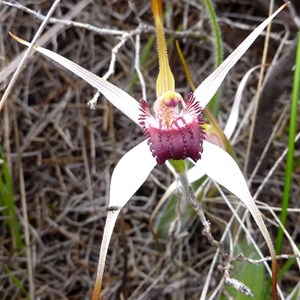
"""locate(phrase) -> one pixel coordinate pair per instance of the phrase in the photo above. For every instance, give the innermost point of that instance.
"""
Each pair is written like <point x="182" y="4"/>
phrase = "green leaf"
<point x="168" y="215"/>
<point x="251" y="275"/>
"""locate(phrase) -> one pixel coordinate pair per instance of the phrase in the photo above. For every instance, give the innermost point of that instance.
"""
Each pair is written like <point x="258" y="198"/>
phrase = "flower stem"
<point x="178" y="165"/>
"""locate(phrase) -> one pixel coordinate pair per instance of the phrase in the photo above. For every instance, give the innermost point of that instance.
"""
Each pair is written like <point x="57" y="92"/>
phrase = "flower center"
<point x="166" y="107"/>
<point x="173" y="134"/>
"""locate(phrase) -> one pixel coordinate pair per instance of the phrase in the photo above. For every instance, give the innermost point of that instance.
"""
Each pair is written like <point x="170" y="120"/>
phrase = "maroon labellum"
<point x="172" y="134"/>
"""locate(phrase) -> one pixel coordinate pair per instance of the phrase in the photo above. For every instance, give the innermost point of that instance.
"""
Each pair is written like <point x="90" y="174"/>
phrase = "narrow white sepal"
<point x="234" y="113"/>
<point x="111" y="219"/>
<point x="117" y="97"/>
<point x="130" y="173"/>
<point x="206" y="90"/>
<point x="222" y="168"/>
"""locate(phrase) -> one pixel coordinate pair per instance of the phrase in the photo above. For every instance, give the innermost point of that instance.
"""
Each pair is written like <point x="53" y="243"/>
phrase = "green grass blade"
<point x="8" y="205"/>
<point x="291" y="147"/>
<point x="286" y="267"/>
<point x="251" y="275"/>
<point x="17" y="282"/>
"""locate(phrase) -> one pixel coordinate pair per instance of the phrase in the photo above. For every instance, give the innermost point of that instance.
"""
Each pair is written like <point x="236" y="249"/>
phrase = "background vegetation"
<point x="57" y="154"/>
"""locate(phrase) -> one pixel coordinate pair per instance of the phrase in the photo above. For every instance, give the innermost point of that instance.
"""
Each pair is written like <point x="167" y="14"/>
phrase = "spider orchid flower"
<point x="173" y="133"/>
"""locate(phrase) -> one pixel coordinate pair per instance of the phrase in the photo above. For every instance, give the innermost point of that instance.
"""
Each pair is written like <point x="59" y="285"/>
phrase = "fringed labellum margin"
<point x="173" y="134"/>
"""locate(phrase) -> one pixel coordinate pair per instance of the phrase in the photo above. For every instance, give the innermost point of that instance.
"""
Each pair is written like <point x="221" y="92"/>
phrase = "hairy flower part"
<point x="171" y="133"/>
<point x="166" y="107"/>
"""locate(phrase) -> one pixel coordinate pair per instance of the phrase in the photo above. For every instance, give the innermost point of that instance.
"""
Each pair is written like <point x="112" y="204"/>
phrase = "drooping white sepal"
<point x="223" y="169"/>
<point x="130" y="173"/>
<point x="234" y="113"/>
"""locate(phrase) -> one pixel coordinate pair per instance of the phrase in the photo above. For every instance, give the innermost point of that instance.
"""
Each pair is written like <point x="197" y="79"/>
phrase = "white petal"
<point x="130" y="173"/>
<point x="210" y="85"/>
<point x="195" y="173"/>
<point x="120" y="99"/>
<point x="234" y="113"/>
<point x="222" y="168"/>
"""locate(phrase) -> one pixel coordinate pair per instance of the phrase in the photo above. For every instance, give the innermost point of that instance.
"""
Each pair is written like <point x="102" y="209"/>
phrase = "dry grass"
<point x="68" y="151"/>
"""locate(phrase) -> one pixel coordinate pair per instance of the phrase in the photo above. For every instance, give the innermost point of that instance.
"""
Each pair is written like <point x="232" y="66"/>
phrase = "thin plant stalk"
<point x="291" y="147"/>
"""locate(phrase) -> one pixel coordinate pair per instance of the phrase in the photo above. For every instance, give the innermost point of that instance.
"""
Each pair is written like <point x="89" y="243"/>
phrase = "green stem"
<point x="178" y="165"/>
<point x="291" y="147"/>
